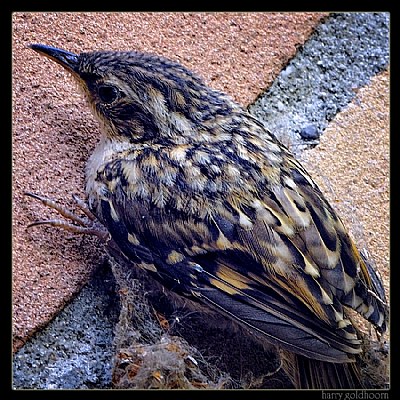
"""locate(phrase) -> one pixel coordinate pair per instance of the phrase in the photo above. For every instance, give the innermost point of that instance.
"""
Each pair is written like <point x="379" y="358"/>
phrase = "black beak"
<point x="66" y="59"/>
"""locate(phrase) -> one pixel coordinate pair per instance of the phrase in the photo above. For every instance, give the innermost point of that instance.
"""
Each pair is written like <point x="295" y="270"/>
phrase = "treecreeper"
<point x="197" y="192"/>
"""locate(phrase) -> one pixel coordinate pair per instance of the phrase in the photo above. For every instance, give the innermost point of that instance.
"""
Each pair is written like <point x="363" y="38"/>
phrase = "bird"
<point x="200" y="194"/>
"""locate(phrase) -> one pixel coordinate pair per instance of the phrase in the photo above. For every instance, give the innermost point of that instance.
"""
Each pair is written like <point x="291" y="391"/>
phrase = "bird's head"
<point x="140" y="97"/>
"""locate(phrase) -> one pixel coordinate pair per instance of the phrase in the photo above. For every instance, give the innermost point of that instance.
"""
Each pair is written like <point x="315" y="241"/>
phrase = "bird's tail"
<point x="306" y="373"/>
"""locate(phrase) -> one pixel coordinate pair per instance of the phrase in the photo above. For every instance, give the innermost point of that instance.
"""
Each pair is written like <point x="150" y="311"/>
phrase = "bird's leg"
<point x="86" y="226"/>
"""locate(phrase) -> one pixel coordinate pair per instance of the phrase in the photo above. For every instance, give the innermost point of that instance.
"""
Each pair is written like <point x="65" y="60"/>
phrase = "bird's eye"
<point x="107" y="93"/>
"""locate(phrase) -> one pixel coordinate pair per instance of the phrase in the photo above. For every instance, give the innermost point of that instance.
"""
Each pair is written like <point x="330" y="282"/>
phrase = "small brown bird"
<point x="195" y="190"/>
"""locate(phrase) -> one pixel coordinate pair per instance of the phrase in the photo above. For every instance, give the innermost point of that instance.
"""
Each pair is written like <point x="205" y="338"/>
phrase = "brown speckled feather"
<point x="266" y="249"/>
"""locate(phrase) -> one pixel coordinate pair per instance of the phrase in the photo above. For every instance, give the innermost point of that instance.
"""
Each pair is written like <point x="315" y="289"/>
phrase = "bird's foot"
<point x="89" y="225"/>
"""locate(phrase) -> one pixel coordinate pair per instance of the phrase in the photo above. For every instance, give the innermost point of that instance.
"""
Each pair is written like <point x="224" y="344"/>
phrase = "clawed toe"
<point x="79" y="225"/>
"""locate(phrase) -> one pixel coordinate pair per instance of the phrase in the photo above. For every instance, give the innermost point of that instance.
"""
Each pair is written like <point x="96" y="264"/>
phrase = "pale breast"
<point x="104" y="152"/>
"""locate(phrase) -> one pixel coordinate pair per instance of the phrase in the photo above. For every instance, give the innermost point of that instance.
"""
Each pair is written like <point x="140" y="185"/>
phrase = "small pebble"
<point x="310" y="132"/>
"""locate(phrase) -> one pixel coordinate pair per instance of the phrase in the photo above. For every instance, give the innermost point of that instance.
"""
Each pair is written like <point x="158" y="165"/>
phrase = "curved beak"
<point x="66" y="59"/>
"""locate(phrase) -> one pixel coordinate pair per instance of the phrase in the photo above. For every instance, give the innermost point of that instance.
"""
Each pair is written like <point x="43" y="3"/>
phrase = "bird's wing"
<point x="280" y="263"/>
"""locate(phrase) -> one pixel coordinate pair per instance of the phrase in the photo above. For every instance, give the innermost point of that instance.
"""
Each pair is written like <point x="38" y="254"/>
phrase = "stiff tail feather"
<point x="306" y="373"/>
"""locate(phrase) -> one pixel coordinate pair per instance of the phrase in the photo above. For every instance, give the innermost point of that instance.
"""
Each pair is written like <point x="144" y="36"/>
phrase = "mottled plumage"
<point x="195" y="190"/>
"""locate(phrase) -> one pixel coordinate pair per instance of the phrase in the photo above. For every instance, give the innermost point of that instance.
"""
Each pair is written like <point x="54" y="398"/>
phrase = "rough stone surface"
<point x="76" y="349"/>
<point x="341" y="56"/>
